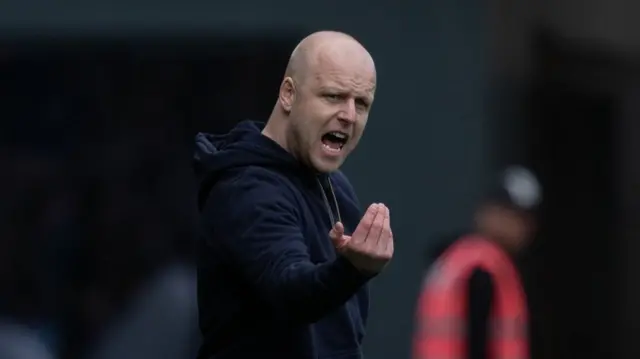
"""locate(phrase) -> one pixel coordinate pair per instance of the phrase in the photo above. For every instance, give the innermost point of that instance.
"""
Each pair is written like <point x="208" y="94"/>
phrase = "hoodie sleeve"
<point x="255" y="221"/>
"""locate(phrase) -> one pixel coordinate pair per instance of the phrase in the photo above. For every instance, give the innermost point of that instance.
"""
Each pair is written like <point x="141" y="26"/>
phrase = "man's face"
<point x="329" y="112"/>
<point x="511" y="227"/>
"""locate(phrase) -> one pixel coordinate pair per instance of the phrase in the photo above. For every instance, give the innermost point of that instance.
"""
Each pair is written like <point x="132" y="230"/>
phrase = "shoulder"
<point x="252" y="189"/>
<point x="254" y="179"/>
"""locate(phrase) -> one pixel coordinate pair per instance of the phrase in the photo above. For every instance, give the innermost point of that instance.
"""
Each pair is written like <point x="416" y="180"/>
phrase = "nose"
<point x="348" y="112"/>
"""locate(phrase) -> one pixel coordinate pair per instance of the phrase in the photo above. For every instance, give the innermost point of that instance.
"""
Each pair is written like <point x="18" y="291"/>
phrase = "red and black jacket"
<point x="472" y="305"/>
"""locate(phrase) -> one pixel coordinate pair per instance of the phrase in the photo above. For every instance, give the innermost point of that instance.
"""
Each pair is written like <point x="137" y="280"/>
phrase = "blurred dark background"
<point x="100" y="102"/>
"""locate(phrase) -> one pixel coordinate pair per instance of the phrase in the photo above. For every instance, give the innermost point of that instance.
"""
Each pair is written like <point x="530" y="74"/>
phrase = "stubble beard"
<point x="295" y="144"/>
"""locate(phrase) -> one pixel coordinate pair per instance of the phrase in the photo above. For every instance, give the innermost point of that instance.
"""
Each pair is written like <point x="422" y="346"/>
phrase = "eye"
<point x="362" y="104"/>
<point x="333" y="97"/>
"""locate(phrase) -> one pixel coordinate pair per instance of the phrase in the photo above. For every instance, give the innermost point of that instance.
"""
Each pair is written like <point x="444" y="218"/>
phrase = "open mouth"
<point x="334" y="141"/>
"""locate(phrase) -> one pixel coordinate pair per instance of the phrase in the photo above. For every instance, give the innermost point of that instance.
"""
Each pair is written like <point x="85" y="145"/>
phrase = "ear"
<point x="287" y="94"/>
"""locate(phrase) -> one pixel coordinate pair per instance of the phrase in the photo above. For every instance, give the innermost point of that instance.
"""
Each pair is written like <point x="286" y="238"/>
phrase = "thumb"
<point x="341" y="244"/>
<point x="337" y="236"/>
<point x="337" y="231"/>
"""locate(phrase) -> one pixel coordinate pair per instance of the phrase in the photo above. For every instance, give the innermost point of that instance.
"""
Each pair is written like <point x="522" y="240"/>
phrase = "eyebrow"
<point x="368" y="93"/>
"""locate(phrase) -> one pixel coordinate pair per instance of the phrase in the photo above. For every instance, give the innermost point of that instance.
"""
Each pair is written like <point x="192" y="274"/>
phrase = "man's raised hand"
<point x="370" y="247"/>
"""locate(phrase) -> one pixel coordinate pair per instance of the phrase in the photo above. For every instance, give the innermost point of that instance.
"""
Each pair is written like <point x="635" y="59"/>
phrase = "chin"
<point x="325" y="161"/>
<point x="325" y="166"/>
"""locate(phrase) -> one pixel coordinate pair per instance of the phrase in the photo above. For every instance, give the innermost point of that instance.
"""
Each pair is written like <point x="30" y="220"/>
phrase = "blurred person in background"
<point x="472" y="304"/>
<point x="274" y="209"/>
<point x="21" y="342"/>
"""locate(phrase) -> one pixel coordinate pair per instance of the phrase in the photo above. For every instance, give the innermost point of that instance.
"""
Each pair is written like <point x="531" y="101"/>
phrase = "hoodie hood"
<point x="244" y="145"/>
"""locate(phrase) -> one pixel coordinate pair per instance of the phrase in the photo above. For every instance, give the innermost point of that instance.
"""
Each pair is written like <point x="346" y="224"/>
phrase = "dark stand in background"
<point x="570" y="142"/>
<point x="113" y="121"/>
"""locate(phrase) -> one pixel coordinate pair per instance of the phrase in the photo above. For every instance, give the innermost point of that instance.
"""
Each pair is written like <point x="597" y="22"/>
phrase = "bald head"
<point x="326" y="47"/>
<point x="328" y="88"/>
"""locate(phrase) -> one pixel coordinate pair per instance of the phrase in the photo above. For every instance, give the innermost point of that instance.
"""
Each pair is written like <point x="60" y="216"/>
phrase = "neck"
<point x="275" y="129"/>
<point x="511" y="245"/>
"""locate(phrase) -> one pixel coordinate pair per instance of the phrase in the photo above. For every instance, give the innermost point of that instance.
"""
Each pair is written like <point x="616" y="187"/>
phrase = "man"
<point x="472" y="305"/>
<point x="284" y="251"/>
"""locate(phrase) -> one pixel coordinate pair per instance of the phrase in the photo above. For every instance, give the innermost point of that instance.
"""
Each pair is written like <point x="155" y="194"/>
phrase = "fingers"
<point x="371" y="246"/>
<point x="387" y="235"/>
<point x="360" y="234"/>
<point x="388" y="250"/>
<point x="375" y="233"/>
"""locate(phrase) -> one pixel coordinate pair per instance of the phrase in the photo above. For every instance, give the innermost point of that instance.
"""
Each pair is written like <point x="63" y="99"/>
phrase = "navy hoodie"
<point x="270" y="283"/>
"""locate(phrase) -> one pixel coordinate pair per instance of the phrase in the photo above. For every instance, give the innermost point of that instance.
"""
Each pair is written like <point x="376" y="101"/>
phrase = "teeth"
<point x="329" y="148"/>
<point x="340" y="135"/>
